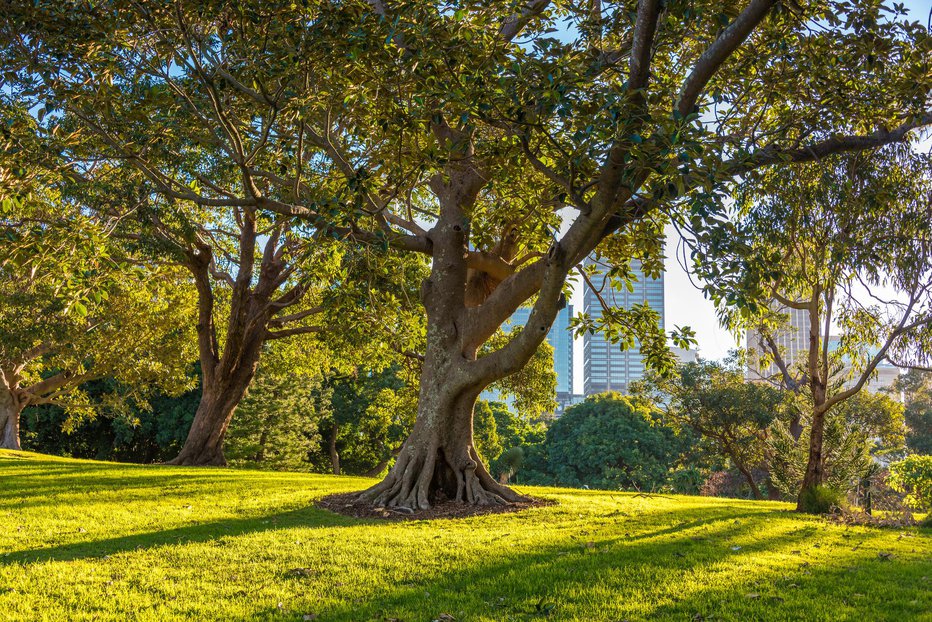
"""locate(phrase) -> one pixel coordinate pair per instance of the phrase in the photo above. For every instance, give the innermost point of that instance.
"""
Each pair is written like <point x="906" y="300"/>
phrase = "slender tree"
<point x="846" y="243"/>
<point x="473" y="134"/>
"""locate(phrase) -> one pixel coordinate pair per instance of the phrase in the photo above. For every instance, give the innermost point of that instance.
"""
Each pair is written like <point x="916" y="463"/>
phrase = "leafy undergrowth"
<point x="99" y="541"/>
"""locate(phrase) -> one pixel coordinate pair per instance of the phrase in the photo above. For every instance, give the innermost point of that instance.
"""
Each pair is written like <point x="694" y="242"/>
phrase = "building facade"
<point x="792" y="341"/>
<point x="605" y="366"/>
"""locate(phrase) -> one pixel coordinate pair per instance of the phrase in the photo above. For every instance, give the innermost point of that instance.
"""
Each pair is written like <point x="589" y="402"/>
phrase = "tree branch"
<point x="716" y="54"/>
<point x="288" y="332"/>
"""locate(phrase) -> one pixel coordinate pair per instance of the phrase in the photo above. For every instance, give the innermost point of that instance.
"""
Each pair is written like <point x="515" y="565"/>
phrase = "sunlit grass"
<point x="99" y="541"/>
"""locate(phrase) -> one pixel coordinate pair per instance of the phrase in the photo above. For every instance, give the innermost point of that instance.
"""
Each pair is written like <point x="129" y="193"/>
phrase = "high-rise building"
<point x="792" y="341"/>
<point x="606" y="367"/>
<point x="560" y="338"/>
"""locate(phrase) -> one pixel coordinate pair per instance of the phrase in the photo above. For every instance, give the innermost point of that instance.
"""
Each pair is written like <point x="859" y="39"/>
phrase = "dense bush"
<point x="146" y="433"/>
<point x="912" y="476"/>
<point x="820" y="500"/>
<point x="607" y="442"/>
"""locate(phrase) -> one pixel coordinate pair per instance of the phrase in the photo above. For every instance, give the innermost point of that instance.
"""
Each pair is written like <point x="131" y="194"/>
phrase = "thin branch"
<point x="288" y="332"/>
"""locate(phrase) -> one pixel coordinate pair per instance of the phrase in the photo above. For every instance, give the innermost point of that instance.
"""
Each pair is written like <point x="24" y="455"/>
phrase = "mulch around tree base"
<point x="347" y="504"/>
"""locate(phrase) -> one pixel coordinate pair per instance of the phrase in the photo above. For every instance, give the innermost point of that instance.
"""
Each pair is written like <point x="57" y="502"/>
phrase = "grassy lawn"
<point x="86" y="540"/>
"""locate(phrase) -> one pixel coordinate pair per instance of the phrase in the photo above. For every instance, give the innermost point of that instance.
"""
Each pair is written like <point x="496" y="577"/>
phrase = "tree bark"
<point x="334" y="454"/>
<point x="204" y="443"/>
<point x="815" y="466"/>
<point x="9" y="420"/>
<point x="755" y="489"/>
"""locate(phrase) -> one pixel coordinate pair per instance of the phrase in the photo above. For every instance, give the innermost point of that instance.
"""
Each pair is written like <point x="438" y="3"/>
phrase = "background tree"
<point x="847" y="243"/>
<point x="156" y="141"/>
<point x="861" y="431"/>
<point x="276" y="424"/>
<point x="147" y="432"/>
<point x="369" y="413"/>
<point x="78" y="305"/>
<point x="610" y="442"/>
<point x="916" y="387"/>
<point x="913" y="477"/>
<point x="493" y="131"/>
<point x="518" y="432"/>
<point x="714" y="401"/>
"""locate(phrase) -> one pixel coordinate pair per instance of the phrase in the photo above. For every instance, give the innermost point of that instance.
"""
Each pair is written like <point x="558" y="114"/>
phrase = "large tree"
<point x="473" y="133"/>
<point x="846" y="244"/>
<point x="152" y="140"/>
<point x="75" y="308"/>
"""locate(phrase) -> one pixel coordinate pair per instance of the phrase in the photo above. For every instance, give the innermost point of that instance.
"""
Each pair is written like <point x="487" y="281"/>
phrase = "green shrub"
<point x="819" y="500"/>
<point x="912" y="476"/>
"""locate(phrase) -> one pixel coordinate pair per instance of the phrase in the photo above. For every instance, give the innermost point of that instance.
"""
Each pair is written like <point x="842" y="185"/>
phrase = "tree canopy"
<point x="505" y="141"/>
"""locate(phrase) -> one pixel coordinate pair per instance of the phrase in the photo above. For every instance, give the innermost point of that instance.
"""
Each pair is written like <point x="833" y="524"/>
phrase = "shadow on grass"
<point x="33" y="483"/>
<point x="585" y="568"/>
<point x="193" y="533"/>
<point x="678" y="573"/>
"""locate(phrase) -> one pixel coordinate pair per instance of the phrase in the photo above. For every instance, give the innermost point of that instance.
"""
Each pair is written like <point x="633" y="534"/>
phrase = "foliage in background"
<point x="533" y="388"/>
<point x="916" y="386"/>
<point x="366" y="415"/>
<point x="714" y="401"/>
<point x="518" y="433"/>
<point x="913" y="477"/>
<point x="82" y="306"/>
<point x="844" y="242"/>
<point x="864" y="428"/>
<point x="134" y="434"/>
<point x="609" y="442"/>
<point x="276" y="424"/>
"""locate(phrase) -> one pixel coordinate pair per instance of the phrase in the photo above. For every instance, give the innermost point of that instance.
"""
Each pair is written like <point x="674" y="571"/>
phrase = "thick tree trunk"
<point x="9" y="420"/>
<point x="204" y="444"/>
<point x="815" y="466"/>
<point x="334" y="454"/>
<point x="439" y="460"/>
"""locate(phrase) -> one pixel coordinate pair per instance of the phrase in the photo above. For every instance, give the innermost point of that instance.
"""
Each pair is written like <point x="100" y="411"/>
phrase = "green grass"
<point x="86" y="540"/>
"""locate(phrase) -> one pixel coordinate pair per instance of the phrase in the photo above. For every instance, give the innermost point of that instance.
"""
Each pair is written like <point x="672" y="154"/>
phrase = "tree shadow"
<point x="192" y="533"/>
<point x="564" y="578"/>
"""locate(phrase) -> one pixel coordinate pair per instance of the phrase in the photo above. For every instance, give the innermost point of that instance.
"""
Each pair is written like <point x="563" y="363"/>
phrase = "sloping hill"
<point x="84" y="540"/>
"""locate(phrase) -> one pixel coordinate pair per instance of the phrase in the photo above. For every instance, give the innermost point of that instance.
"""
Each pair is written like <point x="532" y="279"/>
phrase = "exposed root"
<point x="186" y="459"/>
<point x="421" y="479"/>
<point x="349" y="504"/>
